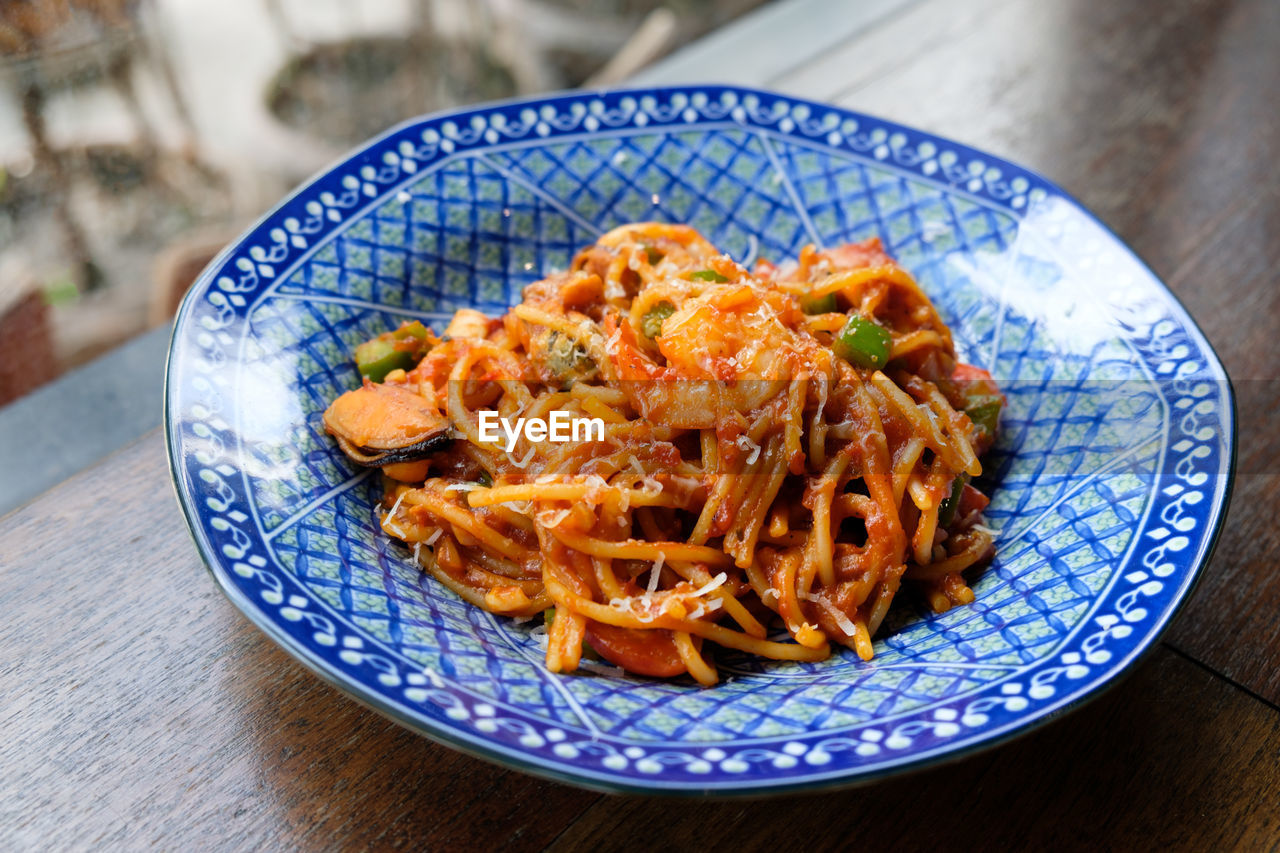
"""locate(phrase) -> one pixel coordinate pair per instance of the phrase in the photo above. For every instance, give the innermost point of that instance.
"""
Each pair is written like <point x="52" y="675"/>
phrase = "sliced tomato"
<point x="976" y="383"/>
<point x="965" y="372"/>
<point x="981" y="399"/>
<point x="642" y="652"/>
<point x="972" y="500"/>
<point x="852" y="256"/>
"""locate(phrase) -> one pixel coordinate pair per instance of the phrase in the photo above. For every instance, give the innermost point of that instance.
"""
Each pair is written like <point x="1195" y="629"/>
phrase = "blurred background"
<point x="138" y="137"/>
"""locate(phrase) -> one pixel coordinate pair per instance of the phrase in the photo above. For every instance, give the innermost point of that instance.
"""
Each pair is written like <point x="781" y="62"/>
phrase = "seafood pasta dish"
<point x="659" y="453"/>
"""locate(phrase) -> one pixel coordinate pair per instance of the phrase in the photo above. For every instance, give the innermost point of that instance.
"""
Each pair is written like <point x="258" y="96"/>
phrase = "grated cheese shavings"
<point x="650" y="486"/>
<point x="850" y="630"/>
<point x="655" y="573"/>
<point x="714" y="583"/>
<point x="391" y="514"/>
<point x="523" y="463"/>
<point x="596" y="486"/>
<point x="552" y="518"/>
<point x="745" y="443"/>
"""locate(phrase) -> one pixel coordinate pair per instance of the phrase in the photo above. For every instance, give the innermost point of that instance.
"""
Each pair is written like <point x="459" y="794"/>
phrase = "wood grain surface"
<point x="140" y="709"/>
<point x="1169" y="759"/>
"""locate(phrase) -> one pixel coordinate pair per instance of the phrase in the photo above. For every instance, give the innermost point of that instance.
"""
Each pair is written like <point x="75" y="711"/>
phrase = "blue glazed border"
<point x="214" y="500"/>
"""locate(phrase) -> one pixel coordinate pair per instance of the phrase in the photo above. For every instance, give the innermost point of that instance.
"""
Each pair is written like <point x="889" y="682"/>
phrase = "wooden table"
<point x="140" y="708"/>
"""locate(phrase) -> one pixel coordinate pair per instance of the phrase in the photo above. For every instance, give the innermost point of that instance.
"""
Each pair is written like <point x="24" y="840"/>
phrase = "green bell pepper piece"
<point x="378" y="357"/>
<point x="864" y="343"/>
<point x="398" y="350"/>
<point x="985" y="414"/>
<point x="651" y="324"/>
<point x="819" y="304"/>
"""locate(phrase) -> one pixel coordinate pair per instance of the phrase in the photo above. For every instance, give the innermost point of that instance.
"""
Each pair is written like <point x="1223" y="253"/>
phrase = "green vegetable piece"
<point x="398" y="350"/>
<point x="947" y="511"/>
<point x="708" y="275"/>
<point x="819" y="304"/>
<point x="485" y="479"/>
<point x="566" y="360"/>
<point x="378" y="357"/>
<point x="985" y="414"/>
<point x="864" y="343"/>
<point x="651" y="325"/>
<point x="411" y="330"/>
<point x="653" y="254"/>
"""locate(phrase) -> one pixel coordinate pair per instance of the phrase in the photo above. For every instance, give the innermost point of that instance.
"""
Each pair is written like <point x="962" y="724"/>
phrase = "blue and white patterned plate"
<point x="1110" y="480"/>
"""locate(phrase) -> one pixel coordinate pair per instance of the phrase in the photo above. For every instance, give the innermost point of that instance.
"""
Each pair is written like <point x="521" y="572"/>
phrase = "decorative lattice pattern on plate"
<point x="1111" y="436"/>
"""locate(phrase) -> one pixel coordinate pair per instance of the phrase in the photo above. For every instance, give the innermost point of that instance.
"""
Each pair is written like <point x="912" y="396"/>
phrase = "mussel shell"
<point x="373" y="457"/>
<point x="380" y="424"/>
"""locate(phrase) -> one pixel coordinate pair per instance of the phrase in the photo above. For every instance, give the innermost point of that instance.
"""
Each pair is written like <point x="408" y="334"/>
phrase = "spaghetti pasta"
<point x="782" y="446"/>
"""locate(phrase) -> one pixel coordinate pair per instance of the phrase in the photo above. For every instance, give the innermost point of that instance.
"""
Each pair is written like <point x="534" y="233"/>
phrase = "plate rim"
<point x="718" y="786"/>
